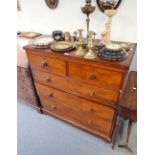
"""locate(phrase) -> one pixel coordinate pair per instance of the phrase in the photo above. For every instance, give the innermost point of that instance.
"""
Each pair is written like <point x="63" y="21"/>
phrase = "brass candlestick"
<point x="88" y="9"/>
<point x="80" y="51"/>
<point x="107" y="33"/>
<point x="91" y="53"/>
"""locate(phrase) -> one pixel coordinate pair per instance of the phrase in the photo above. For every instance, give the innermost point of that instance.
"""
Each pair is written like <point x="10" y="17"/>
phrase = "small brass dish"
<point x="61" y="46"/>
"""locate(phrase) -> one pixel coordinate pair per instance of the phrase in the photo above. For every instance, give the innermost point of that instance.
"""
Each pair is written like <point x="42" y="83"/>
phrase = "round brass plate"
<point x="61" y="46"/>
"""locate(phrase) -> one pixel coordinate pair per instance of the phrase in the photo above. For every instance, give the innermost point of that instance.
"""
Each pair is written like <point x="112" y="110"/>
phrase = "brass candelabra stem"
<point x="88" y="9"/>
<point x="80" y="51"/>
<point x="91" y="53"/>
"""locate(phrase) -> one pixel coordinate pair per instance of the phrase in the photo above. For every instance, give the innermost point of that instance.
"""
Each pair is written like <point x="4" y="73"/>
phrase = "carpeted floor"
<point x="39" y="134"/>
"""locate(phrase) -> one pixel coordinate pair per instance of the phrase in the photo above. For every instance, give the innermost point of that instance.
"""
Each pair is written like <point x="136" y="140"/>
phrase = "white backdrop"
<point x="36" y="16"/>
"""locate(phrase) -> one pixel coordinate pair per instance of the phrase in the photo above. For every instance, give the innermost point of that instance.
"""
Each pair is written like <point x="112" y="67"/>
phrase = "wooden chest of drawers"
<point x="79" y="91"/>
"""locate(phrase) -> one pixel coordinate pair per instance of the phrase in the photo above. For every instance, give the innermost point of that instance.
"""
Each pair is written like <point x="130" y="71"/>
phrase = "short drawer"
<point x="94" y="93"/>
<point x="94" y="116"/>
<point x="95" y="76"/>
<point x="47" y="64"/>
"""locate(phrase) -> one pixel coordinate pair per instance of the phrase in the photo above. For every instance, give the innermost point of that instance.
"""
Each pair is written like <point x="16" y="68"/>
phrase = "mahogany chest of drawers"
<point x="79" y="91"/>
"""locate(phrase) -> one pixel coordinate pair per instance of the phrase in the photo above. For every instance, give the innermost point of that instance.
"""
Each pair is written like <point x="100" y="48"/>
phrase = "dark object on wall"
<point x="58" y="35"/>
<point x="18" y="6"/>
<point x="108" y="4"/>
<point x="52" y="4"/>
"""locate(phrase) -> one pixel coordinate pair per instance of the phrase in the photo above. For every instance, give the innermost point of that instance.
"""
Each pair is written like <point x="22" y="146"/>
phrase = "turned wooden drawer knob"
<point x="91" y="93"/>
<point x="44" y="64"/>
<point x="53" y="107"/>
<point x="90" y="122"/>
<point x="92" y="77"/>
<point x="50" y="95"/>
<point x="48" y="80"/>
<point x="90" y="109"/>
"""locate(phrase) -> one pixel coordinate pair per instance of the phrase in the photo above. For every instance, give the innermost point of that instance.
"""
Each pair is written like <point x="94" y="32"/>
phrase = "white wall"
<point x="36" y="16"/>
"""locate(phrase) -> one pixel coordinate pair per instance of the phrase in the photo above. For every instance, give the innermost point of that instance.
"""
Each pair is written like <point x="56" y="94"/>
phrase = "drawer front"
<point x="90" y="92"/>
<point x="94" y="116"/>
<point x="23" y="76"/>
<point x="27" y="98"/>
<point x="47" y="64"/>
<point x="95" y="76"/>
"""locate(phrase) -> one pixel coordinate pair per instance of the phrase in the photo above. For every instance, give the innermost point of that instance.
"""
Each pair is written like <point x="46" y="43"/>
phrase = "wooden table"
<point x="127" y="108"/>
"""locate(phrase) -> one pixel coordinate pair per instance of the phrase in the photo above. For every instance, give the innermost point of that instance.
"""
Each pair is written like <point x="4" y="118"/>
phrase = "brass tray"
<point x="30" y="35"/>
<point x="61" y="46"/>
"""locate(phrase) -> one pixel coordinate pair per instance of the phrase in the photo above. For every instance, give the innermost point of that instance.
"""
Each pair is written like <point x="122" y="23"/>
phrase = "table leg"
<point x="127" y="139"/>
<point x="116" y="131"/>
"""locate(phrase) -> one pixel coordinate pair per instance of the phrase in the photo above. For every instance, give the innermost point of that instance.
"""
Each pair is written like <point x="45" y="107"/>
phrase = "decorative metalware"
<point x="91" y="53"/>
<point x="88" y="9"/>
<point x="61" y="46"/>
<point x="80" y="51"/>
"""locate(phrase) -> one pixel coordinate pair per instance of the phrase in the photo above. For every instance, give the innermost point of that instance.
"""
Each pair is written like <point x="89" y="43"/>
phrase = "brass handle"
<point x="134" y="88"/>
<point x="44" y="64"/>
<point x="50" y="95"/>
<point x="90" y="109"/>
<point x="48" y="80"/>
<point x="91" y="93"/>
<point x="92" y="77"/>
<point x="53" y="107"/>
<point x="90" y="122"/>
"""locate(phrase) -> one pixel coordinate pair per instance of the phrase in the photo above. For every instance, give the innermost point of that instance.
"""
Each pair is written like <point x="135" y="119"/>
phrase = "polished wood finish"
<point x="48" y="64"/>
<point x="90" y="92"/>
<point x="79" y="91"/>
<point x="95" y="76"/>
<point x="127" y="108"/>
<point x="72" y="107"/>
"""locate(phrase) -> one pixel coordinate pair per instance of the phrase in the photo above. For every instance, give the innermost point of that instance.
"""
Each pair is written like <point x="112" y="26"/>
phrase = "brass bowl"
<point x="61" y="45"/>
<point x="88" y="9"/>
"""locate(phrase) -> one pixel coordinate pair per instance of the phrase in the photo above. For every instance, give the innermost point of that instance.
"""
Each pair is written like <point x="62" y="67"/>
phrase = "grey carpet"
<point x="39" y="134"/>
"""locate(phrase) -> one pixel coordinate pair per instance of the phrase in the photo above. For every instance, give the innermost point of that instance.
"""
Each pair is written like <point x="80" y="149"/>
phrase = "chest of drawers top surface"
<point x="97" y="62"/>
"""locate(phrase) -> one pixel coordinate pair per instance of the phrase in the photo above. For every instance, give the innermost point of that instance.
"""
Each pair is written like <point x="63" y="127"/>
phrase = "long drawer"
<point x="47" y="64"/>
<point x="95" y="76"/>
<point x="102" y="95"/>
<point x="88" y="114"/>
